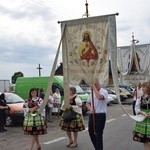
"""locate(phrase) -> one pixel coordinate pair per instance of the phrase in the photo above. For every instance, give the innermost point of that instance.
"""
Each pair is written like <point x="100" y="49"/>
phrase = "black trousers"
<point x="97" y="139"/>
<point x="2" y="120"/>
<point x="133" y="107"/>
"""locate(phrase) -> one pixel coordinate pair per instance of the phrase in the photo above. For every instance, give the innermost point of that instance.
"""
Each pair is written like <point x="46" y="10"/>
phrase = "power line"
<point x="46" y="6"/>
<point x="41" y="7"/>
<point x="53" y="5"/>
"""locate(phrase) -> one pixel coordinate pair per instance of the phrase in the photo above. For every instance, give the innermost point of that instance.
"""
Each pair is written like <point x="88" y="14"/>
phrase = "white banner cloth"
<point x="85" y="48"/>
<point x="134" y="59"/>
<point x="134" y="63"/>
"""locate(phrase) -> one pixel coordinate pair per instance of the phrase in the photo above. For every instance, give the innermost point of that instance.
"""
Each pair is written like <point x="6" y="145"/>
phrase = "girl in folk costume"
<point x="141" y="132"/>
<point x="34" y="122"/>
<point x="77" y="124"/>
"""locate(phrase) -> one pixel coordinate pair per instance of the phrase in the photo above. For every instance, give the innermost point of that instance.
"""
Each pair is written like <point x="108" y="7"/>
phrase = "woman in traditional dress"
<point x="34" y="121"/>
<point x="141" y="132"/>
<point x="76" y="124"/>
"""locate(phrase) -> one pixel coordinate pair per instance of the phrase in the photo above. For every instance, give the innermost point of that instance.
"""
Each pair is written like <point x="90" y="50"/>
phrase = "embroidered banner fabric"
<point x="86" y="44"/>
<point x="133" y="63"/>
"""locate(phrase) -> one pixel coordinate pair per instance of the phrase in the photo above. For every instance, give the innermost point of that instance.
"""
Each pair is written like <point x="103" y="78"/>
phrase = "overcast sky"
<point x="30" y="34"/>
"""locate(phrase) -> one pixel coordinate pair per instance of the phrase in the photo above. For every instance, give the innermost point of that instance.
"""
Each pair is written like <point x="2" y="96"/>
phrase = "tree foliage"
<point x="15" y="76"/>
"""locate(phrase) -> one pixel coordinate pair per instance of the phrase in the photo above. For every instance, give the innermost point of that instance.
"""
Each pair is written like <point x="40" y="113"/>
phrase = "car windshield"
<point x="127" y="88"/>
<point x="13" y="98"/>
<point x="123" y="90"/>
<point x="110" y="91"/>
<point x="79" y="90"/>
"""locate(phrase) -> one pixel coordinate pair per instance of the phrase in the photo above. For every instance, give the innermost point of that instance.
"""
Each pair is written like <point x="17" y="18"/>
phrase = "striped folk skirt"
<point x="34" y="125"/>
<point x="141" y="132"/>
<point x="75" y="125"/>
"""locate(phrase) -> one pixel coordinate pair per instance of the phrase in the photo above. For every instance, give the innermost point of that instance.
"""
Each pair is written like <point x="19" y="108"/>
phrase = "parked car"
<point x="86" y="89"/>
<point x="128" y="88"/>
<point x="123" y="96"/>
<point x="126" y="92"/>
<point x="110" y="100"/>
<point x="112" y="97"/>
<point x="15" y="114"/>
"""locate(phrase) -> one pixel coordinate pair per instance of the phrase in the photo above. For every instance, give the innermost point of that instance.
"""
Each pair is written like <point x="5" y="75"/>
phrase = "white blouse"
<point x="57" y="98"/>
<point x="137" y="106"/>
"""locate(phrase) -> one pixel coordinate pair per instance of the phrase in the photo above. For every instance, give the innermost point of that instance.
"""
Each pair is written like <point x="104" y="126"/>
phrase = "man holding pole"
<point x="97" y="104"/>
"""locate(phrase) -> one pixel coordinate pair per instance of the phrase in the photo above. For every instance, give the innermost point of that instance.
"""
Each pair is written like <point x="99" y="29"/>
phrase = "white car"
<point x="112" y="97"/>
<point x="109" y="100"/>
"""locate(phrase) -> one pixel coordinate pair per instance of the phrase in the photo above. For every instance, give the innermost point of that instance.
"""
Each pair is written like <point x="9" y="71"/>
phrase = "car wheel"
<point x="9" y="121"/>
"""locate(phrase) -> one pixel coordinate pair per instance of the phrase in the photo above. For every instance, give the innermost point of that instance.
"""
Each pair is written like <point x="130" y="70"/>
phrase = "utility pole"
<point x="39" y="68"/>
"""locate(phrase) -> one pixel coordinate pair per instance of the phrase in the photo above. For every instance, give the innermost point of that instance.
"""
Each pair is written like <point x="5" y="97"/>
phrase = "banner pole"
<point x="93" y="107"/>
<point x="115" y="14"/>
<point x="50" y="82"/>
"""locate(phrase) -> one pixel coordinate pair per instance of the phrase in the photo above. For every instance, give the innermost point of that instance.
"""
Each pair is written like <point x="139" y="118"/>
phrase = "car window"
<point x="123" y="90"/>
<point x="110" y="91"/>
<point x="86" y="89"/>
<point x="13" y="98"/>
<point x="79" y="90"/>
<point x="127" y="88"/>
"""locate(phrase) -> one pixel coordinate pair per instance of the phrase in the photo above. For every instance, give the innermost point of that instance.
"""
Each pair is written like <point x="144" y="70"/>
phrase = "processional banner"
<point x="85" y="46"/>
<point x="133" y="63"/>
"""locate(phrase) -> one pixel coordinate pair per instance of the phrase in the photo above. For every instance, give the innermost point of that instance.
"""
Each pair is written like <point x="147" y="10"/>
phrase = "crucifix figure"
<point x="87" y="12"/>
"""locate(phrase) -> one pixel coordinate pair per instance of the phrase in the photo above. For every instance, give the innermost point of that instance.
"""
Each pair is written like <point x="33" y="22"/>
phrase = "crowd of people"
<point x="97" y="105"/>
<point x="35" y="121"/>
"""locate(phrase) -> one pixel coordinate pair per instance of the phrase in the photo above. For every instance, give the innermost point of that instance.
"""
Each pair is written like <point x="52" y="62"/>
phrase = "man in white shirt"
<point x="99" y="113"/>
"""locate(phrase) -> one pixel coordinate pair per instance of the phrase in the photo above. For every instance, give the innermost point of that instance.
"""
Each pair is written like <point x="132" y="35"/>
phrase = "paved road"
<point x="117" y="134"/>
